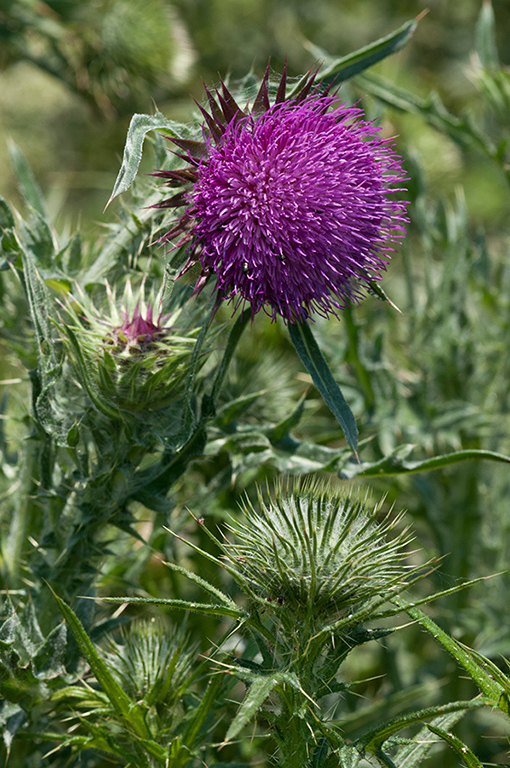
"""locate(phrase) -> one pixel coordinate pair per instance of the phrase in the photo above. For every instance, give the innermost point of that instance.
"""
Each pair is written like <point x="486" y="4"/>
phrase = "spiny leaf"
<point x="469" y="759"/>
<point x="493" y="690"/>
<point x="202" y="583"/>
<point x="121" y="702"/>
<point x="485" y="38"/>
<point x="349" y="757"/>
<point x="207" y="704"/>
<point x="258" y="691"/>
<point x="411" y="755"/>
<point x="343" y="68"/>
<point x="29" y="187"/>
<point x="6" y="215"/>
<point x="374" y="740"/>
<point x="395" y="464"/>
<point x="186" y="605"/>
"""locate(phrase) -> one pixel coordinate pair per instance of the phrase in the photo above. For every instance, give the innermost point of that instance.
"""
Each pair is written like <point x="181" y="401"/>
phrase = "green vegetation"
<point x="196" y="568"/>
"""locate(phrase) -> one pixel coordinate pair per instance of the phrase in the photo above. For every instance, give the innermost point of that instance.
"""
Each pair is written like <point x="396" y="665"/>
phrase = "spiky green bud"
<point x="129" y="359"/>
<point x="315" y="553"/>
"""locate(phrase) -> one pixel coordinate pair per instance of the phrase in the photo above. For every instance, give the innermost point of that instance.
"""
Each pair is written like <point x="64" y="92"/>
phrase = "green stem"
<point x="12" y="547"/>
<point x="209" y="402"/>
<point x="295" y="740"/>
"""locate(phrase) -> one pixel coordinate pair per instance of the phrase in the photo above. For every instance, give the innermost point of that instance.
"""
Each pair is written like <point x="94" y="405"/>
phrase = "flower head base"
<point x="309" y="551"/>
<point x="290" y="206"/>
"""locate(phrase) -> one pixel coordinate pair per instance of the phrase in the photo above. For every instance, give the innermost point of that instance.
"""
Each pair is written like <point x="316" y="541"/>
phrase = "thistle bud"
<point x="308" y="552"/>
<point x="132" y="362"/>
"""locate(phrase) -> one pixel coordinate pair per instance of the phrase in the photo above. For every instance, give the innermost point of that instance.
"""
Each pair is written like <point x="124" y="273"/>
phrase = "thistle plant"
<point x="320" y="574"/>
<point x="157" y="386"/>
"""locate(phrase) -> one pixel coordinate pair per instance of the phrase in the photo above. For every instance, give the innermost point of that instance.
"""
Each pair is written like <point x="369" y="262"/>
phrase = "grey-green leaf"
<point x="485" y="38"/>
<point x="29" y="187"/>
<point x="396" y="463"/>
<point x="257" y="693"/>
<point x="343" y="68"/>
<point x="118" y="698"/>
<point x="6" y="215"/>
<point x="186" y="605"/>
<point x="373" y="741"/>
<point x="139" y="126"/>
<point x="469" y="759"/>
<point x="316" y="365"/>
<point x="492" y="689"/>
<point x="411" y="755"/>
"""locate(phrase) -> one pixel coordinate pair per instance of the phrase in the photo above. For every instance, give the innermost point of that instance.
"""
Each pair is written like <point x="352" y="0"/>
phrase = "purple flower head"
<point x="137" y="332"/>
<point x="291" y="206"/>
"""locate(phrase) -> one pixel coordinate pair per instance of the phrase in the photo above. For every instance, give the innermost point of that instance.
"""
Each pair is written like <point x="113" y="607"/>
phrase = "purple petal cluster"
<point x="139" y="333"/>
<point x="294" y="209"/>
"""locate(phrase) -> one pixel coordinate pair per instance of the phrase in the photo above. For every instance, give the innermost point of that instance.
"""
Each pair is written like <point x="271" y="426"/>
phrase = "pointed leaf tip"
<point x="139" y="126"/>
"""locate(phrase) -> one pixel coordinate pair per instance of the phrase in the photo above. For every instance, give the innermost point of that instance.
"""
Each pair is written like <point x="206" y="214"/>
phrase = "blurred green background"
<point x="72" y="74"/>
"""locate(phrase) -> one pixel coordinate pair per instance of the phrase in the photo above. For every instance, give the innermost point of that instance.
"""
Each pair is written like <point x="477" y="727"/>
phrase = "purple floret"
<point x="293" y="210"/>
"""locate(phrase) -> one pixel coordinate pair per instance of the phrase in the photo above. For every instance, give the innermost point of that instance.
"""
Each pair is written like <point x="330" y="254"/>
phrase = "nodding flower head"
<point x="290" y="205"/>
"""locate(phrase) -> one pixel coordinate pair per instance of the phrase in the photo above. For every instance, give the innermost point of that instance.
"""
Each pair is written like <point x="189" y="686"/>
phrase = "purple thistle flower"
<point x="139" y="333"/>
<point x="290" y="205"/>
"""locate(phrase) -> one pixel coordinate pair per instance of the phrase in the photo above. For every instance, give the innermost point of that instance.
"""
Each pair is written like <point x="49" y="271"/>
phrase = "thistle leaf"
<point x="28" y="185"/>
<point x="257" y="693"/>
<point x="343" y="68"/>
<point x="316" y="365"/>
<point x="186" y="605"/>
<point x="485" y="38"/>
<point x="121" y="702"/>
<point x="349" y="757"/>
<point x="469" y="759"/>
<point x="374" y="740"/>
<point x="411" y="755"/>
<point x="139" y="126"/>
<point x="396" y="464"/>
<point x="497" y="694"/>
